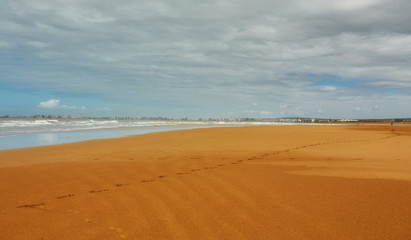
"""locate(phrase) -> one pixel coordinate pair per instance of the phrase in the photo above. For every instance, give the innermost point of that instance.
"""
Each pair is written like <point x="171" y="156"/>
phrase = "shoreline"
<point x="38" y="139"/>
<point x="282" y="182"/>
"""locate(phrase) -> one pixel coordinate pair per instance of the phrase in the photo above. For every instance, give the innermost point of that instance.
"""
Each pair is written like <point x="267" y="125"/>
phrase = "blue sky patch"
<point x="331" y="80"/>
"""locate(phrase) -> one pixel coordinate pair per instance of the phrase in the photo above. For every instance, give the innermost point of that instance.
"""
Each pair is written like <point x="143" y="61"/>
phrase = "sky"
<point x="184" y="58"/>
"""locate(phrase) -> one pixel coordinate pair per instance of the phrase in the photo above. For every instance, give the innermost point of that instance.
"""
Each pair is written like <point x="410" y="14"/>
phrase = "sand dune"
<point x="281" y="182"/>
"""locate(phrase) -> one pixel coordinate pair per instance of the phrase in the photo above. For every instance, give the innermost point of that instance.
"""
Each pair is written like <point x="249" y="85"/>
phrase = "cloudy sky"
<point x="182" y="58"/>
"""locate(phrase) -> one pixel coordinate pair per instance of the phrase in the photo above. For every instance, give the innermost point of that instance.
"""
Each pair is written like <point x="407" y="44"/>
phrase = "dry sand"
<point x="281" y="182"/>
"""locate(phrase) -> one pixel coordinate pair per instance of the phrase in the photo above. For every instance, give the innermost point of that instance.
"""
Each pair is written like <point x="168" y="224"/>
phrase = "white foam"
<point x="22" y="126"/>
<point x="26" y="123"/>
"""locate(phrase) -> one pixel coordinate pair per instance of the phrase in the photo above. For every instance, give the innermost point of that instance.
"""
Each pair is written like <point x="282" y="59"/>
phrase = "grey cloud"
<point x="236" y="51"/>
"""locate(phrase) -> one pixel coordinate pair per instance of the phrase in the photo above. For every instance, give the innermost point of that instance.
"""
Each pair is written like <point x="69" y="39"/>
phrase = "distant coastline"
<point x="224" y="119"/>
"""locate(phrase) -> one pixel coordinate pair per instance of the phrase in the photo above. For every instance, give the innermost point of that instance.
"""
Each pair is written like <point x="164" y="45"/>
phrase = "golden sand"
<point x="277" y="182"/>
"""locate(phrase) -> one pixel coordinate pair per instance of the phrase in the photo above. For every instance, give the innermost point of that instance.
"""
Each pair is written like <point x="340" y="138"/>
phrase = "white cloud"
<point x="250" y="111"/>
<point x="283" y="106"/>
<point x="104" y="109"/>
<point x="52" y="103"/>
<point x="348" y="5"/>
<point x="4" y="44"/>
<point x="253" y="113"/>
<point x="68" y="107"/>
<point x="73" y="107"/>
<point x="328" y="88"/>
<point x="55" y="103"/>
<point x="36" y="44"/>
<point x="265" y="113"/>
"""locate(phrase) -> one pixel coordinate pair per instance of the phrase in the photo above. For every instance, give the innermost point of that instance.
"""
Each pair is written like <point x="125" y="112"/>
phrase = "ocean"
<point x="30" y="132"/>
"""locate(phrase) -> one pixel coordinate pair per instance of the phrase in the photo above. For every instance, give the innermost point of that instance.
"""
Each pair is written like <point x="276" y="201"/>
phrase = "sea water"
<point x="25" y="132"/>
<point x="30" y="132"/>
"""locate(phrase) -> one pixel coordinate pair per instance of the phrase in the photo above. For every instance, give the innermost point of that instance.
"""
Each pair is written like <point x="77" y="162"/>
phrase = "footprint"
<point x="36" y="205"/>
<point x="98" y="191"/>
<point x="88" y="220"/>
<point x="65" y="196"/>
<point x="182" y="173"/>
<point x="162" y="176"/>
<point x="195" y="170"/>
<point x="221" y="165"/>
<point x="121" y="184"/>
<point x="210" y="167"/>
<point x="234" y="163"/>
<point x="147" y="180"/>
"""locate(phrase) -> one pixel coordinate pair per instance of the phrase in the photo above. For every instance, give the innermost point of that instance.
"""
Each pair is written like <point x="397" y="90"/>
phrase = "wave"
<point x="23" y="126"/>
<point x="26" y="123"/>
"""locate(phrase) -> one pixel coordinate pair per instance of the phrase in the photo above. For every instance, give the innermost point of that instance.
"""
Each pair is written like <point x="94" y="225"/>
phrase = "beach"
<point x="260" y="182"/>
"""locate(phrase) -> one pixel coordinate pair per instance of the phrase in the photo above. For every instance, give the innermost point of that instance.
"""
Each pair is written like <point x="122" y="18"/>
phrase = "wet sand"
<point x="277" y="182"/>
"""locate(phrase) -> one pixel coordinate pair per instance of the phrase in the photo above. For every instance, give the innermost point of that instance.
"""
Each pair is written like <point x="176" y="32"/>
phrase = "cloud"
<point x="52" y="103"/>
<point x="36" y="44"/>
<point x="55" y="103"/>
<point x="252" y="113"/>
<point x="154" y="55"/>
<point x="266" y="113"/>
<point x="4" y="44"/>
<point x="327" y="88"/>
<point x="353" y="4"/>
<point x="73" y="107"/>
